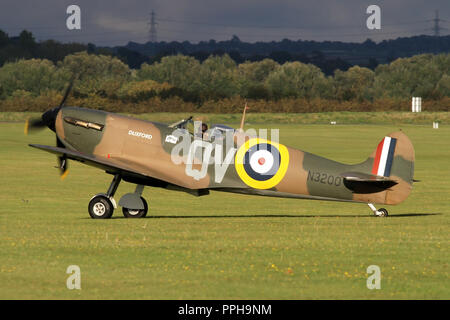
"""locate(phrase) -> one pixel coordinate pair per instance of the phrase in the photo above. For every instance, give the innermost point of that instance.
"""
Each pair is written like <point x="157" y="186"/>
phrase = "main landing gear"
<point x="133" y="205"/>
<point x="380" y="212"/>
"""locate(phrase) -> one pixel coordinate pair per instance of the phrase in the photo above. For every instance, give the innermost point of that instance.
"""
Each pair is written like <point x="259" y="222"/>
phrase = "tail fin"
<point x="393" y="159"/>
<point x="384" y="156"/>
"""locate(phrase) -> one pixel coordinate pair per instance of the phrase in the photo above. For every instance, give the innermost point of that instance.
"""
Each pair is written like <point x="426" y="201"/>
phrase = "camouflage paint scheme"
<point x="147" y="161"/>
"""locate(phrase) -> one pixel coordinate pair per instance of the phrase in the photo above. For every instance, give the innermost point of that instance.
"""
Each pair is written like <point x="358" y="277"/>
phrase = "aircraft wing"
<point x="129" y="170"/>
<point x="110" y="165"/>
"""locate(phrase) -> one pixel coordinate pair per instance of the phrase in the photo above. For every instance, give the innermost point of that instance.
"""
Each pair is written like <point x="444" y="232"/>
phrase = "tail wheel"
<point x="136" y="213"/>
<point x="100" y="207"/>
<point x="382" y="212"/>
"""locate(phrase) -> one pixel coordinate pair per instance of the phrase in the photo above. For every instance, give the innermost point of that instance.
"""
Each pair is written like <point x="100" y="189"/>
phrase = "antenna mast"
<point x="152" y="24"/>
<point x="436" y="27"/>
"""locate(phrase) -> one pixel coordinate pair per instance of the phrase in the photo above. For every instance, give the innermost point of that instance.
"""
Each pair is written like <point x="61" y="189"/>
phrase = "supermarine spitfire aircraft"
<point x="148" y="153"/>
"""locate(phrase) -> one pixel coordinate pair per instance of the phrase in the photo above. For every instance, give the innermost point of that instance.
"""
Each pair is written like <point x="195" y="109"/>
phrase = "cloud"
<point x="122" y="25"/>
<point x="113" y="22"/>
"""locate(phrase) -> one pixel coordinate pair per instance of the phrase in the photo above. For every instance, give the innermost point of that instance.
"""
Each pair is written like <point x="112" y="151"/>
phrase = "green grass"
<point x="394" y="117"/>
<point x="223" y="246"/>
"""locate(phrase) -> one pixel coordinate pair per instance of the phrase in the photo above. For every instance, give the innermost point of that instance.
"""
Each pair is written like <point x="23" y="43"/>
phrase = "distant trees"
<point x="443" y="86"/>
<point x="354" y="84"/>
<point x="415" y="76"/>
<point x="218" y="80"/>
<point x="252" y="77"/>
<point x="96" y="74"/>
<point x="215" y="78"/>
<point x="425" y="76"/>
<point x="33" y="76"/>
<point x="219" y="77"/>
<point x="180" y="71"/>
<point x="138" y="91"/>
<point x="295" y="74"/>
<point x="55" y="51"/>
<point x="327" y="55"/>
<point x="26" y="47"/>
<point x="4" y="39"/>
<point x="298" y="80"/>
<point x="27" y="42"/>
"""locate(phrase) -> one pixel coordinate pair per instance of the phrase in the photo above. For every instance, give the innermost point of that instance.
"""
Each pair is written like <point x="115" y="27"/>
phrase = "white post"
<point x="416" y="104"/>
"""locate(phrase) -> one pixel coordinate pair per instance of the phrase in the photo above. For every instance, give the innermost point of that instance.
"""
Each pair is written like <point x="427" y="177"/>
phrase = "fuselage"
<point x="156" y="150"/>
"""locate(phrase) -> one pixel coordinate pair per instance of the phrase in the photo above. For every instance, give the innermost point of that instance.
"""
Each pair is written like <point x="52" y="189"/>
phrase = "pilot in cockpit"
<point x="202" y="133"/>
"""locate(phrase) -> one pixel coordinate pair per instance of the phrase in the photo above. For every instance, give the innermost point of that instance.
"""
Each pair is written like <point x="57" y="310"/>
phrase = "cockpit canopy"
<point x="219" y="131"/>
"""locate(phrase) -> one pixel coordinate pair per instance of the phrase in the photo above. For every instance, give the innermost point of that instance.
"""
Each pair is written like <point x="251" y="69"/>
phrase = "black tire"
<point x="136" y="213"/>
<point x="100" y="207"/>
<point x="384" y="212"/>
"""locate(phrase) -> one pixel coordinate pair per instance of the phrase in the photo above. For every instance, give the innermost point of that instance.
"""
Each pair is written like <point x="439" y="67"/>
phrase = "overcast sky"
<point x="113" y="22"/>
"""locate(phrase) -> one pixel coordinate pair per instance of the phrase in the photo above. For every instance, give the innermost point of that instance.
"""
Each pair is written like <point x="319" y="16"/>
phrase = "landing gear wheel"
<point x="136" y="213"/>
<point x="382" y="212"/>
<point x="100" y="207"/>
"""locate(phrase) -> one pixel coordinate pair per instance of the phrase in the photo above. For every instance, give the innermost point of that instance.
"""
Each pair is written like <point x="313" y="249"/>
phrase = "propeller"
<point x="66" y="94"/>
<point x="33" y="125"/>
<point x="48" y="119"/>
<point x="62" y="161"/>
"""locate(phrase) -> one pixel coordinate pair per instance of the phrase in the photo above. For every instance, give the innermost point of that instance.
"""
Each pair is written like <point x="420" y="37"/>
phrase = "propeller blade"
<point x="48" y="118"/>
<point x="63" y="164"/>
<point x="59" y="144"/>
<point x="33" y="125"/>
<point x="62" y="161"/>
<point x="66" y="94"/>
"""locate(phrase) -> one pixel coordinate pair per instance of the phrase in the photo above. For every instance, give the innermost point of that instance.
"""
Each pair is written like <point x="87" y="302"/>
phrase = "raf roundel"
<point x="261" y="164"/>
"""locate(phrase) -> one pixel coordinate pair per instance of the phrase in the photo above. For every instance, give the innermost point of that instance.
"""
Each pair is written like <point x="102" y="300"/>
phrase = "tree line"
<point x="24" y="46"/>
<point x="219" y="84"/>
<point x="327" y="55"/>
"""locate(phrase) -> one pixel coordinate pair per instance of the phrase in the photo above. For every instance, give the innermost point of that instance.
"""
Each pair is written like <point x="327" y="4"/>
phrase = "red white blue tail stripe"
<point x="384" y="157"/>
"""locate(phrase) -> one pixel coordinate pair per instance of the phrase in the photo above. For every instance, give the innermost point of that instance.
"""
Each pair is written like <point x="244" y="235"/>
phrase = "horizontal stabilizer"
<point x="367" y="177"/>
<point x="360" y="182"/>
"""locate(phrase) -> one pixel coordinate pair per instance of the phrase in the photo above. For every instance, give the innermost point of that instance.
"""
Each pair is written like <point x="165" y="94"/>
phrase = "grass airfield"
<point x="224" y="246"/>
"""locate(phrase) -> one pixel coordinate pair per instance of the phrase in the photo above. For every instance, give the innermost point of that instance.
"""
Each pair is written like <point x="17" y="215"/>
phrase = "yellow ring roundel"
<point x="261" y="164"/>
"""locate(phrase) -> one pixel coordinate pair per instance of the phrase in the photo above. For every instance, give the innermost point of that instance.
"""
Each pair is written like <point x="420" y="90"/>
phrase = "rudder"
<point x="394" y="159"/>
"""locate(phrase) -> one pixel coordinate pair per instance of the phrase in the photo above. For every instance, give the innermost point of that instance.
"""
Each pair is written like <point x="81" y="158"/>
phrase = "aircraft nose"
<point x="49" y="118"/>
